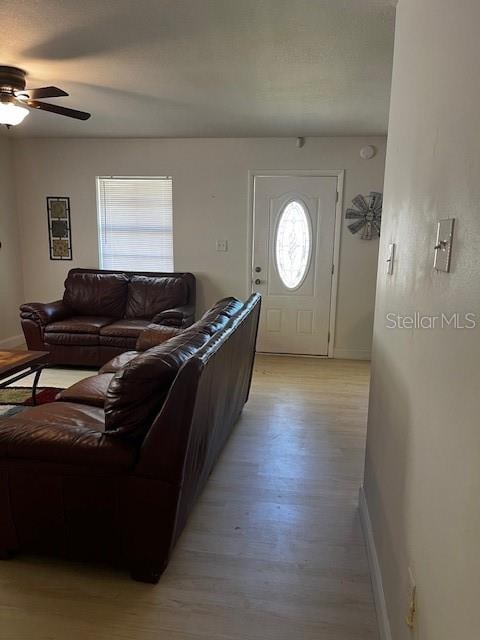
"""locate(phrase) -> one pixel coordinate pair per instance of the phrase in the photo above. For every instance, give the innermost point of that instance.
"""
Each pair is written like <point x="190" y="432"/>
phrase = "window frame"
<point x="100" y="203"/>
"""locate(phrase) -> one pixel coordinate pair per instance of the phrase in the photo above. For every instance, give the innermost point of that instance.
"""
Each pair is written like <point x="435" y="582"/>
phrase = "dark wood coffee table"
<point x="22" y="363"/>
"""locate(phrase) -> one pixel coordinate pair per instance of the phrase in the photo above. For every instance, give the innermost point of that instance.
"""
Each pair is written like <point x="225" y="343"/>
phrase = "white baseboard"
<point x="377" y="582"/>
<point x="13" y="341"/>
<point x="352" y="354"/>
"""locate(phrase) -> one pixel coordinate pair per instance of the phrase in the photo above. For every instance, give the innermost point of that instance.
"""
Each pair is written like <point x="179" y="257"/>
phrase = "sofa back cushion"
<point x="148" y="295"/>
<point x="137" y="391"/>
<point x="217" y="317"/>
<point x="227" y="306"/>
<point x="96" y="294"/>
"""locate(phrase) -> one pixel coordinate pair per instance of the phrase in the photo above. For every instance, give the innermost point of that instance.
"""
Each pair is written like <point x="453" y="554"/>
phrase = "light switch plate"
<point x="222" y="245"/>
<point x="390" y="258"/>
<point x="443" y="244"/>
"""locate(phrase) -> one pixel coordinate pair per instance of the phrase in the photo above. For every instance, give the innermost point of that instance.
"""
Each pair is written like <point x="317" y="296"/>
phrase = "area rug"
<point x="16" y="399"/>
<point x="7" y="410"/>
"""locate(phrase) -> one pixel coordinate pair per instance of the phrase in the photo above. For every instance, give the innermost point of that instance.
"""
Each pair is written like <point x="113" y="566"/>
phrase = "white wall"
<point x="11" y="293"/>
<point x="422" y="476"/>
<point x="210" y="201"/>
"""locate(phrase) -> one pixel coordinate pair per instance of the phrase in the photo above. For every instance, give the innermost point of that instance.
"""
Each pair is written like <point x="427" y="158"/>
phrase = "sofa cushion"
<point x="118" y="362"/>
<point x="122" y="333"/>
<point x="91" y="390"/>
<point x="78" y="324"/>
<point x="69" y="339"/>
<point x="154" y="335"/>
<point x="125" y="328"/>
<point x="117" y="342"/>
<point x="137" y="391"/>
<point x="96" y="294"/>
<point x="148" y="296"/>
<point x="63" y="432"/>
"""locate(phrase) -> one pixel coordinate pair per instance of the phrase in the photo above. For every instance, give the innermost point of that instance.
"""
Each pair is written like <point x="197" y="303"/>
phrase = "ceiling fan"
<point x="15" y="100"/>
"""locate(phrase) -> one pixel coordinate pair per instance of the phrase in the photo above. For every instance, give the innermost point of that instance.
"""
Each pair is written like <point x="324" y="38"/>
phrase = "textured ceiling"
<point x="182" y="68"/>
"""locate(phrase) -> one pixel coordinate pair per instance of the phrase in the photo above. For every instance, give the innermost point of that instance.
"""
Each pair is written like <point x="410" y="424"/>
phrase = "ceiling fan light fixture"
<point x="14" y="99"/>
<point x="12" y="114"/>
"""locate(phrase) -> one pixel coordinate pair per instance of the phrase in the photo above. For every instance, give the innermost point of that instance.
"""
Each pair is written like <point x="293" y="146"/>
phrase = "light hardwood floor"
<point x="273" y="551"/>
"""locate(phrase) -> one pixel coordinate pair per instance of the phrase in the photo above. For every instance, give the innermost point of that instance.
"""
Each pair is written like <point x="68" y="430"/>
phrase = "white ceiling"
<point x="205" y="68"/>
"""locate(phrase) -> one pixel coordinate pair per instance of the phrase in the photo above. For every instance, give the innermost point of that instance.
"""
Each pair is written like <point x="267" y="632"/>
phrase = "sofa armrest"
<point x="44" y="313"/>
<point x="35" y="316"/>
<point x="178" y="317"/>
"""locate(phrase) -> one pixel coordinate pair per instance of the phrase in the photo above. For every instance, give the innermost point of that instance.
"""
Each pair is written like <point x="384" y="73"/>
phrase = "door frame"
<point x="299" y="173"/>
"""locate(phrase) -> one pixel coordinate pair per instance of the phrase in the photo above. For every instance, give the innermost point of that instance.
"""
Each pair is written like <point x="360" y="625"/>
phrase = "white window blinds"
<point x="135" y="223"/>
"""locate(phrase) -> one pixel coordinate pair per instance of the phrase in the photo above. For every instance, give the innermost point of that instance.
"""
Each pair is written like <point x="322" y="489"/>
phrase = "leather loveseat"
<point x="112" y="469"/>
<point x="103" y="312"/>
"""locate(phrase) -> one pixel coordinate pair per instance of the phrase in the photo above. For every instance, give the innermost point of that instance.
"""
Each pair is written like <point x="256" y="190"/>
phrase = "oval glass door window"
<point x="293" y="244"/>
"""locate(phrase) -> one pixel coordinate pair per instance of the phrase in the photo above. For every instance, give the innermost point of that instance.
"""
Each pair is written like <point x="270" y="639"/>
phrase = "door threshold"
<point x="293" y="355"/>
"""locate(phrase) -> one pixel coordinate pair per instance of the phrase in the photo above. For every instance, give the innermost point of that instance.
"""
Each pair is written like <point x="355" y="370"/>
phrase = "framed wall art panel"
<point x="59" y="228"/>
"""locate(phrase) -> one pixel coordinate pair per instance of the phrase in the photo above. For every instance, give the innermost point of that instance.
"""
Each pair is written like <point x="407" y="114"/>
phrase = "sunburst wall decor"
<point x="368" y="215"/>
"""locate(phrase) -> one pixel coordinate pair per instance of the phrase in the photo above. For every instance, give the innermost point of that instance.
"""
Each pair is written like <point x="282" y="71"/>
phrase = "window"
<point x="135" y="223"/>
<point x="293" y="244"/>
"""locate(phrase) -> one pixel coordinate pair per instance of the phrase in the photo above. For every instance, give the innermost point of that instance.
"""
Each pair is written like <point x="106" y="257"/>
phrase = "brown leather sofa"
<point x="112" y="469"/>
<point x="103" y="312"/>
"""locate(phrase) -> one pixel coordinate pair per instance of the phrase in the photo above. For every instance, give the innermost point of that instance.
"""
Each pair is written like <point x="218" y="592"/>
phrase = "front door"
<point x="293" y="245"/>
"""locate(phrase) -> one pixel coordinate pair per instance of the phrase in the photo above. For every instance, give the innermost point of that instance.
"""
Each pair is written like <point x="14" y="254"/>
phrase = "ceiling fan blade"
<point x="45" y="92"/>
<point x="61" y="111"/>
